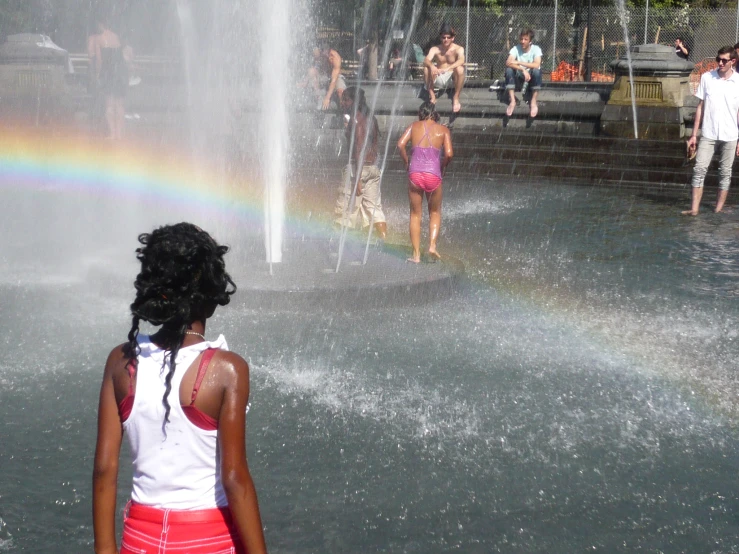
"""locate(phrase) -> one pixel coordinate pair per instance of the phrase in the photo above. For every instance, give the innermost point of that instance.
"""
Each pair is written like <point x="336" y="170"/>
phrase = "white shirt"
<point x="174" y="466"/>
<point x="720" y="105"/>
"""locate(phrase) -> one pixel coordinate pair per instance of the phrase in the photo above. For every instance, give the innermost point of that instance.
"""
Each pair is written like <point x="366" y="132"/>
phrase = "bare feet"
<point x="534" y="109"/>
<point x="456" y="106"/>
<point x="414" y="260"/>
<point x="510" y="108"/>
<point x="718" y="210"/>
<point x="689" y="212"/>
<point x="434" y="255"/>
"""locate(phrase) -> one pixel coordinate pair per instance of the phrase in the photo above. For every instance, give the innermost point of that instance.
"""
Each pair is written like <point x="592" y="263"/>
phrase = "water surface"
<point x="578" y="393"/>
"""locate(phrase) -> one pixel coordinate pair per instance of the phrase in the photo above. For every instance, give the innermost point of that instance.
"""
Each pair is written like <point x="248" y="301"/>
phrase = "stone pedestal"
<point x="661" y="90"/>
<point x="33" y="85"/>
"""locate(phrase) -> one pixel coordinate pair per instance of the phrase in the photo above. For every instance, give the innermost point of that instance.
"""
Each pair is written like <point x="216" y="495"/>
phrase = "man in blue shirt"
<point x="523" y="67"/>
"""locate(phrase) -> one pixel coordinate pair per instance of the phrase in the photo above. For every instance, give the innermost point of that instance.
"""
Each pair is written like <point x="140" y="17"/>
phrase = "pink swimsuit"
<point x="424" y="170"/>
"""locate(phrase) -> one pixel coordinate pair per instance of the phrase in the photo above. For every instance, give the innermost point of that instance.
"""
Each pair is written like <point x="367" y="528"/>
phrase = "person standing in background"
<point x="717" y="118"/>
<point x="681" y="49"/>
<point x="109" y="74"/>
<point x="361" y="172"/>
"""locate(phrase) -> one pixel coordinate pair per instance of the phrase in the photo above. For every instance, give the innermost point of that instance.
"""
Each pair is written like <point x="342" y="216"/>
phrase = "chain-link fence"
<point x="488" y="35"/>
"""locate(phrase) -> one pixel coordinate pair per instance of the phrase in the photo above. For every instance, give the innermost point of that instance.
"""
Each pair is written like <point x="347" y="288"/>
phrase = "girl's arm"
<point x="237" y="481"/>
<point x="107" y="452"/>
<point x="402" y="143"/>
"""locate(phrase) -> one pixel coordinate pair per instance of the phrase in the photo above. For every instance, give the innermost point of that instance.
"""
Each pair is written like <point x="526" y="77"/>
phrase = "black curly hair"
<point x="427" y="110"/>
<point x="183" y="279"/>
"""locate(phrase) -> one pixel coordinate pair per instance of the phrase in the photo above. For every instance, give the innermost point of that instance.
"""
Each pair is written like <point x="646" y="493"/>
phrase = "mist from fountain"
<point x="237" y="69"/>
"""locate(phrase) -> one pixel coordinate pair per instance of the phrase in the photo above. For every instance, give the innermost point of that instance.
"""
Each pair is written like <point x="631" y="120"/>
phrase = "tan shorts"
<point x="444" y="81"/>
<point x="367" y="205"/>
<point x="324" y="81"/>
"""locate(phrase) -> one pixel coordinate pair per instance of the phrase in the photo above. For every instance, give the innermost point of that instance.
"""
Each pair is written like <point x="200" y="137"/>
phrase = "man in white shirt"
<point x="523" y="67"/>
<point x="717" y="116"/>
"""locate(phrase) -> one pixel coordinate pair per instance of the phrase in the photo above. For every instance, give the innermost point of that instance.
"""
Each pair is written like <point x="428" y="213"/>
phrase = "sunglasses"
<point x="722" y="61"/>
<point x="446" y="37"/>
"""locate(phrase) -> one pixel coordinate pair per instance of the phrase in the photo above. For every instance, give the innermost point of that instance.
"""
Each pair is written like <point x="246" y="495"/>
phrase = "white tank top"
<point x="176" y="466"/>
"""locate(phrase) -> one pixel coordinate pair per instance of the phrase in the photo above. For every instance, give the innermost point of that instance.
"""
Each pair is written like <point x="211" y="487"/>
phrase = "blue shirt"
<point x="528" y="57"/>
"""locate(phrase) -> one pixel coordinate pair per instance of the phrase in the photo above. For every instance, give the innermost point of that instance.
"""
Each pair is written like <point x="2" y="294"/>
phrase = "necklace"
<point x="188" y="332"/>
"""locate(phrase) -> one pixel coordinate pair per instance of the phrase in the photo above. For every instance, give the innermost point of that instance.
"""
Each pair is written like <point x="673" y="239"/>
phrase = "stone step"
<point x="601" y="143"/>
<point x="617" y="157"/>
<point x="581" y="170"/>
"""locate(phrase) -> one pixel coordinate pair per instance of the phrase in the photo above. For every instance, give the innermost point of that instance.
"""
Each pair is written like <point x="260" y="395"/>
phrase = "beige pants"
<point x="368" y="204"/>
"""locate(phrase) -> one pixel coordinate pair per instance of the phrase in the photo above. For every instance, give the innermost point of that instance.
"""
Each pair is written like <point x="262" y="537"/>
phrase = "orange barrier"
<point x="569" y="72"/>
<point x="565" y="72"/>
<point x="706" y="64"/>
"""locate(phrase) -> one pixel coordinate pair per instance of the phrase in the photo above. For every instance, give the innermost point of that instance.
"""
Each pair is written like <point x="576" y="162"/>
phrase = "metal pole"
<point x="588" y="50"/>
<point x="467" y="35"/>
<point x="554" y="52"/>
<point x="576" y="34"/>
<point x="646" y="21"/>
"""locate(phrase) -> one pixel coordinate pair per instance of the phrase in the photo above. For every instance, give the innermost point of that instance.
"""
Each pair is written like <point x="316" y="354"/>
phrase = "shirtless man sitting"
<point x="325" y="72"/>
<point x="444" y="65"/>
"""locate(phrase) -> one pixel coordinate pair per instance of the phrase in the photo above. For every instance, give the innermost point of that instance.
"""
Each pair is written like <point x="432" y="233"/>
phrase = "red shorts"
<point x="149" y="530"/>
<point x="427" y="182"/>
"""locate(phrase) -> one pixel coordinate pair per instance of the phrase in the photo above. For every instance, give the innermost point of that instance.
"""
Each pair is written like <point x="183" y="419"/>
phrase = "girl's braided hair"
<point x="183" y="279"/>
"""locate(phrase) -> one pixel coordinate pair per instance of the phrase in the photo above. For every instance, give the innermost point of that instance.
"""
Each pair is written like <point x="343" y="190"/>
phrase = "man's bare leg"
<point x="534" y="107"/>
<point x="429" y="80"/>
<point x="434" y="201"/>
<point x="511" y="102"/>
<point x="458" y="78"/>
<point x="120" y="117"/>
<point x="695" y="204"/>
<point x="110" y="117"/>
<point x="381" y="230"/>
<point x="721" y="200"/>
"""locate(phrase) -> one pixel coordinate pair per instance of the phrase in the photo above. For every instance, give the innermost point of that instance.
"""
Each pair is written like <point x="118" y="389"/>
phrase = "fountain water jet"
<point x="221" y="77"/>
<point x="622" y="18"/>
<point x="274" y="120"/>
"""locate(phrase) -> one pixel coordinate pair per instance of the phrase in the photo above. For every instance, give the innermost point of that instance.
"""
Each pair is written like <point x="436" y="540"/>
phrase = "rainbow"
<point x="76" y="163"/>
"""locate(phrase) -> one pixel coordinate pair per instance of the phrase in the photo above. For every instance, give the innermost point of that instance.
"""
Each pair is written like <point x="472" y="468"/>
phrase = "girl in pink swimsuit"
<point x="425" y="169"/>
